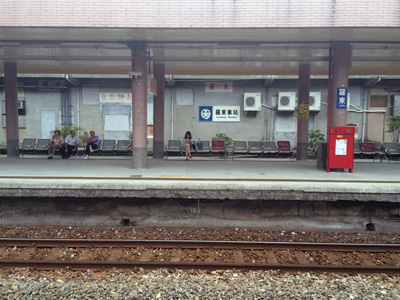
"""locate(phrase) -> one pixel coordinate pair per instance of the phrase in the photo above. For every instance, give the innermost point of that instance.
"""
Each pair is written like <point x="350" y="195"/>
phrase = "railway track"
<point x="78" y="254"/>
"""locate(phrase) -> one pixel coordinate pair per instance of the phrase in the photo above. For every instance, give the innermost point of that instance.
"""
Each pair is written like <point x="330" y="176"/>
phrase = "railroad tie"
<point x="270" y="256"/>
<point x="176" y="256"/>
<point x="86" y="254"/>
<point x="395" y="258"/>
<point x="56" y="253"/>
<point x="116" y="253"/>
<point x="26" y="253"/>
<point x="333" y="258"/>
<point x="211" y="256"/>
<point x="366" y="260"/>
<point x="238" y="256"/>
<point x="2" y="249"/>
<point x="146" y="254"/>
<point x="301" y="257"/>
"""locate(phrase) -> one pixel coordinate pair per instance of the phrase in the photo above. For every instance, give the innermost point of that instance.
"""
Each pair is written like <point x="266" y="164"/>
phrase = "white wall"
<point x="93" y="114"/>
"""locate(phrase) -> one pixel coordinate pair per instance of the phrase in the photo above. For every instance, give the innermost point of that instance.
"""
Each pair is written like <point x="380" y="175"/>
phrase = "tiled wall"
<point x="200" y="13"/>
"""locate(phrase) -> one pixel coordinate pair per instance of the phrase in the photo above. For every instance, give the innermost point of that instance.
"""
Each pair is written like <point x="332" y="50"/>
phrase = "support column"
<point x="340" y="78"/>
<point x="158" y="130"/>
<point x="11" y="93"/>
<point x="139" y="106"/>
<point x="303" y="111"/>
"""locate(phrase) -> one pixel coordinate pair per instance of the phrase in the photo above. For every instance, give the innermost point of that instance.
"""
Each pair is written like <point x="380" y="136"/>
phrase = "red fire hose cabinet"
<point x="340" y="148"/>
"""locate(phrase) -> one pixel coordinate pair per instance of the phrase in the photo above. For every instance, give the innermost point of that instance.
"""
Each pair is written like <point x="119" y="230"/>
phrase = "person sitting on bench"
<point x="71" y="142"/>
<point x="56" y="142"/>
<point x="92" y="143"/>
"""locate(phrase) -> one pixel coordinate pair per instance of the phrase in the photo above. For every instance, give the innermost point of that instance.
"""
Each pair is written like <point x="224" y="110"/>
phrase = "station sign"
<point x="341" y="98"/>
<point x="219" y="87"/>
<point x="219" y="113"/>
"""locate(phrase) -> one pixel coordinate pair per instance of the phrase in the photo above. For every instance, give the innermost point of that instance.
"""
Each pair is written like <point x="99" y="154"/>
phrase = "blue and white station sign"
<point x="219" y="113"/>
<point x="341" y="97"/>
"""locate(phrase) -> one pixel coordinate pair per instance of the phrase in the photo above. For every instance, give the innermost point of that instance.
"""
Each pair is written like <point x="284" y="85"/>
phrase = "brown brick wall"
<point x="200" y="13"/>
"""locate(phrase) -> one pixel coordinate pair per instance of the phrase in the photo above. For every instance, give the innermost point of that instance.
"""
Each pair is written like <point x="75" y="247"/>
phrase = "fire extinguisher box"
<point x="340" y="148"/>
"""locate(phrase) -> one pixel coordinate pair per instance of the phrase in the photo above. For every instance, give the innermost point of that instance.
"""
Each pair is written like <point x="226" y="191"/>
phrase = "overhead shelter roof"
<point x="208" y="37"/>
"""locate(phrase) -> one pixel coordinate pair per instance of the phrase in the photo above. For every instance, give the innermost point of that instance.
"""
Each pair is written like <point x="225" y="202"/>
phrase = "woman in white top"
<point x="56" y="142"/>
<point x="187" y="143"/>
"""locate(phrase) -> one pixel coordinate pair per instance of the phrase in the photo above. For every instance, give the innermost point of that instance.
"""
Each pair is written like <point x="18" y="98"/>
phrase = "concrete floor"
<point x="204" y="167"/>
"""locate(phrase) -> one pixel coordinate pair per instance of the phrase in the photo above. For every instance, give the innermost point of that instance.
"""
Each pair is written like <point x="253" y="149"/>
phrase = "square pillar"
<point x="303" y="111"/>
<point x="340" y="78"/>
<point x="139" y="106"/>
<point x="11" y="93"/>
<point x="158" y="130"/>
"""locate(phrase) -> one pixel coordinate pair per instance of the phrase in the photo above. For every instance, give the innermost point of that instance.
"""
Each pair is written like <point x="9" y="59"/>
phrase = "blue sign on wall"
<point x="205" y="113"/>
<point x="341" y="97"/>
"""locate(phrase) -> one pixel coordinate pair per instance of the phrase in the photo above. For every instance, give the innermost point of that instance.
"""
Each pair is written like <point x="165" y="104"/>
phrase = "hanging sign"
<point x="219" y="87"/>
<point x="226" y="113"/>
<point x="116" y="97"/>
<point x="304" y="111"/>
<point x="341" y="97"/>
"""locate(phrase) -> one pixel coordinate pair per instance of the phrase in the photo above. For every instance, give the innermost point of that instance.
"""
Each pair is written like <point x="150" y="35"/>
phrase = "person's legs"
<point x="88" y="147"/>
<point x="187" y="151"/>
<point x="51" y="150"/>
<point x="62" y="151"/>
<point x="70" y="149"/>
<point x="87" y="151"/>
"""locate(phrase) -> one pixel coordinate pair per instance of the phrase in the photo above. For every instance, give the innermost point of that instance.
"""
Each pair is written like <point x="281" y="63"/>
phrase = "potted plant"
<point x="313" y="137"/>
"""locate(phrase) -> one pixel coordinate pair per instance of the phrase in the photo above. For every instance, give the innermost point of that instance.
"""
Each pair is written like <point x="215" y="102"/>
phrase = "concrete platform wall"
<point x="273" y="215"/>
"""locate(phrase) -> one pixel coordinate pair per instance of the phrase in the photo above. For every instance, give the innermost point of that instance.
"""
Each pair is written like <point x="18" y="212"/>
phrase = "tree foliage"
<point x="394" y="128"/>
<point x="313" y="137"/>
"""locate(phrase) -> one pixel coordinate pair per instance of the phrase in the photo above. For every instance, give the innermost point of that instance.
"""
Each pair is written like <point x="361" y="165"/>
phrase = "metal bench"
<point x="392" y="150"/>
<point x="28" y="146"/>
<point x="255" y="147"/>
<point x="285" y="150"/>
<point x="174" y="147"/>
<point x="239" y="147"/>
<point x="206" y="148"/>
<point x="368" y="151"/>
<point x="218" y="147"/>
<point x="123" y="147"/>
<point x="108" y="147"/>
<point x="269" y="148"/>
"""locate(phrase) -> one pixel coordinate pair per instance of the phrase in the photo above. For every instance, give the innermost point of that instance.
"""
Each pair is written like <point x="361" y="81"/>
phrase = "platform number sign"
<point x="341" y="97"/>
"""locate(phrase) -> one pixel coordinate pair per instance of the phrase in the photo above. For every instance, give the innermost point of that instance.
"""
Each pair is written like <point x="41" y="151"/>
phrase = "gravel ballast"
<point x="28" y="283"/>
<point x="166" y="284"/>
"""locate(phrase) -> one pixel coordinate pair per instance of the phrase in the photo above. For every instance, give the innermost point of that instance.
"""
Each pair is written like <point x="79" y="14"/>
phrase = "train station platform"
<point x="201" y="174"/>
<point x="203" y="191"/>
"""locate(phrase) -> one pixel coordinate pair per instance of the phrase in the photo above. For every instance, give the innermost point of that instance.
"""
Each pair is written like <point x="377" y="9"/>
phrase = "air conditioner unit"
<point x="252" y="102"/>
<point x="287" y="101"/>
<point x="315" y="101"/>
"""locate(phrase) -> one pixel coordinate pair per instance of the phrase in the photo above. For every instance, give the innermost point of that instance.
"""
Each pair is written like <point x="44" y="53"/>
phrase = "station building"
<point x="151" y="71"/>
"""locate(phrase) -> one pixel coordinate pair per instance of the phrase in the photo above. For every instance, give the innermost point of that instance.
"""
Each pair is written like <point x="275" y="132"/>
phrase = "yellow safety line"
<point x="185" y="177"/>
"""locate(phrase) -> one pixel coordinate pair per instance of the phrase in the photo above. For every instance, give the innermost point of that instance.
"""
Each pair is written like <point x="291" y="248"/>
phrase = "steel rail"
<point x="86" y="264"/>
<point x="53" y="263"/>
<point x="197" y="244"/>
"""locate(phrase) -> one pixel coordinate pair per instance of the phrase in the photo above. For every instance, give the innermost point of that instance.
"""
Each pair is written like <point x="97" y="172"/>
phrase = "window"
<point x="21" y="113"/>
<point x="378" y="101"/>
